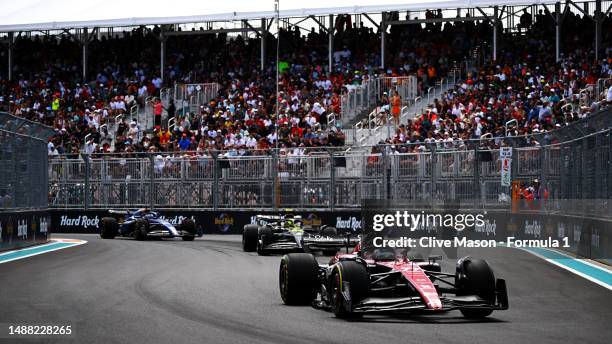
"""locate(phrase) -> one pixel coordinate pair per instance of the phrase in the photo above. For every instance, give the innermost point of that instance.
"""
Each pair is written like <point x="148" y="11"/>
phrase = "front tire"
<point x="264" y="239"/>
<point x="109" y="228"/>
<point x="297" y="278"/>
<point x="475" y="277"/>
<point x="249" y="238"/>
<point x="359" y="287"/>
<point x="188" y="225"/>
<point x="141" y="230"/>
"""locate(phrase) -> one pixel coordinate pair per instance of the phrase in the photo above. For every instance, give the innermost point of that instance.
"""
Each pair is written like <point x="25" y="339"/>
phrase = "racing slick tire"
<point x="109" y="228"/>
<point x="475" y="277"/>
<point x="188" y="225"/>
<point x="331" y="232"/>
<point x="264" y="239"/>
<point x="298" y="278"/>
<point x="359" y="286"/>
<point x="249" y="238"/>
<point x="141" y="230"/>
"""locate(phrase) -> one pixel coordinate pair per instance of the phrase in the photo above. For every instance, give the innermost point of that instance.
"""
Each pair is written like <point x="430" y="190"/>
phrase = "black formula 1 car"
<point x="384" y="282"/>
<point x="142" y="224"/>
<point x="283" y="233"/>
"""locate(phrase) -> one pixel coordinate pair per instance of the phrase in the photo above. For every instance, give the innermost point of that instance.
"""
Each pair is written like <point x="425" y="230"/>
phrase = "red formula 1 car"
<point x="386" y="281"/>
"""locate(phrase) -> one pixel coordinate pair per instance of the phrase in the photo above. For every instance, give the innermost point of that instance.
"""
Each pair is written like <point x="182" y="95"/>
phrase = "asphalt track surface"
<point x="209" y="291"/>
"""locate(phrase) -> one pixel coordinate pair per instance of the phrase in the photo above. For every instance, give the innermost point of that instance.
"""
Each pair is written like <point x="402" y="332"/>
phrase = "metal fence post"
<point x="86" y="186"/>
<point x="543" y="166"/>
<point x="275" y="181"/>
<point x="215" y="187"/>
<point x="609" y="166"/>
<point x="434" y="175"/>
<point x="477" y="195"/>
<point x="152" y="182"/>
<point x="332" y="187"/>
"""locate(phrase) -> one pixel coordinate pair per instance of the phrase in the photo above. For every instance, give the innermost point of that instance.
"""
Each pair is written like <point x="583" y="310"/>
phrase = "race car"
<point x="142" y="224"/>
<point x="384" y="281"/>
<point x="282" y="233"/>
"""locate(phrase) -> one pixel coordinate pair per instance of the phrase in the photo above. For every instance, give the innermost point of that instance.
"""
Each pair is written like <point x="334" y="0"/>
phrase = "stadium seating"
<point x="523" y="92"/>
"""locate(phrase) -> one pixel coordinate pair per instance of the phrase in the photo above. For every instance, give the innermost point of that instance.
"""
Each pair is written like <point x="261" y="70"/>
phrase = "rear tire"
<point x="188" y="225"/>
<point x="475" y="277"/>
<point x="141" y="230"/>
<point x="297" y="278"/>
<point x="109" y="228"/>
<point x="359" y="286"/>
<point x="249" y="238"/>
<point x="330" y="232"/>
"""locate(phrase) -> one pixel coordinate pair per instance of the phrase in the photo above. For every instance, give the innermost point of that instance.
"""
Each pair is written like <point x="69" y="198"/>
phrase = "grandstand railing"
<point x="358" y="98"/>
<point x="577" y="175"/>
<point x="189" y="97"/>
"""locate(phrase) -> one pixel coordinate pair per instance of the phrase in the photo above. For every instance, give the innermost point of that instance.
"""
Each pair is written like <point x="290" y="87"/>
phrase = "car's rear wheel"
<point x="141" y="230"/>
<point x="188" y="225"/>
<point x="249" y="238"/>
<point x="329" y="232"/>
<point x="108" y="228"/>
<point x="358" y="286"/>
<point x="298" y="280"/>
<point x="475" y="277"/>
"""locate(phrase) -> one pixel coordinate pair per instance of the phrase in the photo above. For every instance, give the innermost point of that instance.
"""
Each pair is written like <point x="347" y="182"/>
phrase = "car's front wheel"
<point x="297" y="278"/>
<point x="141" y="230"/>
<point x="264" y="239"/>
<point x="475" y="277"/>
<point x="188" y="225"/>
<point x="358" y="287"/>
<point x="249" y="238"/>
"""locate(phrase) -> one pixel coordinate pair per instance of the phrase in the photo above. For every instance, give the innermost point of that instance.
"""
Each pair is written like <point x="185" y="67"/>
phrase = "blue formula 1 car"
<point x="143" y="224"/>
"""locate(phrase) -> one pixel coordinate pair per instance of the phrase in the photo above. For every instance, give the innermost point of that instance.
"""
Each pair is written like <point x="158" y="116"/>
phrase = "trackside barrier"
<point x="24" y="184"/>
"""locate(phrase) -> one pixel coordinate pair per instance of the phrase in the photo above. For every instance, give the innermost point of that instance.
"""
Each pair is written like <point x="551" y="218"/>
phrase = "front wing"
<point x="416" y="304"/>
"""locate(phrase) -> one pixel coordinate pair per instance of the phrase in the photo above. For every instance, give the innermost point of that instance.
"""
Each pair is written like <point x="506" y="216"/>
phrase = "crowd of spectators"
<point x="524" y="92"/>
<point x="524" y="84"/>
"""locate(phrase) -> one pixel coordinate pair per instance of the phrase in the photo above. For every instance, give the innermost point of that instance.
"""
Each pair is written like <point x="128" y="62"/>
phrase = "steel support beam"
<point x="84" y="45"/>
<point x="162" y="53"/>
<point x="383" y="29"/>
<point x="330" y="46"/>
<point x="598" y="23"/>
<point x="262" y="38"/>
<point x="10" y="56"/>
<point x="558" y="31"/>
<point x="495" y="22"/>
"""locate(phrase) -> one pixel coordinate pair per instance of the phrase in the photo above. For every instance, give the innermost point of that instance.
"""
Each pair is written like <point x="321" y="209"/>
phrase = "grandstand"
<point x="206" y="83"/>
<point x="462" y="73"/>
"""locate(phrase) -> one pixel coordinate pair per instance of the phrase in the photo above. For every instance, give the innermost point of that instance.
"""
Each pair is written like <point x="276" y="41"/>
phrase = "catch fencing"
<point x="576" y="175"/>
<point x="23" y="166"/>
